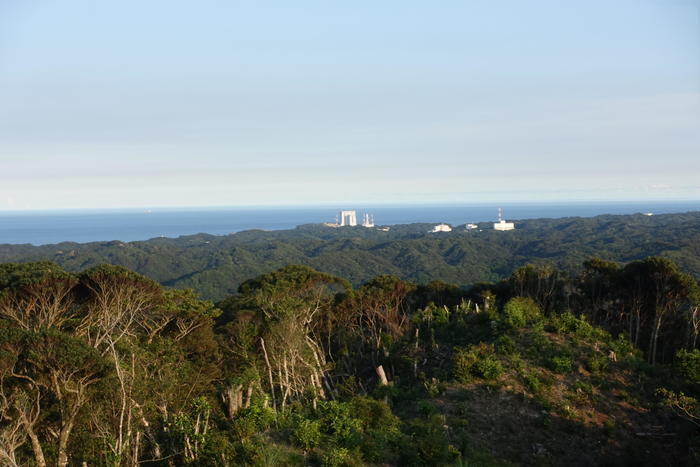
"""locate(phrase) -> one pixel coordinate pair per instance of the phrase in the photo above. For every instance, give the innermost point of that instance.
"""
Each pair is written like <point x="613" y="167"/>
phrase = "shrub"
<point x="427" y="443"/>
<point x="425" y="408"/>
<point x="505" y="345"/>
<point x="561" y="363"/>
<point x="567" y="322"/>
<point x="622" y="346"/>
<point x="336" y="421"/>
<point x="335" y="457"/>
<point x="307" y="434"/>
<point x="533" y="383"/>
<point x="688" y="365"/>
<point x="597" y="363"/>
<point x="252" y="419"/>
<point x="519" y="311"/>
<point x="539" y="344"/>
<point x="516" y="362"/>
<point x="464" y="361"/>
<point x="381" y="430"/>
<point x="478" y="361"/>
<point x="686" y="407"/>
<point x="489" y="368"/>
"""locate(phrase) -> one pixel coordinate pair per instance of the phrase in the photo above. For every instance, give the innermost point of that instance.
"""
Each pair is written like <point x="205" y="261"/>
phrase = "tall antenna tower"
<point x="500" y="215"/>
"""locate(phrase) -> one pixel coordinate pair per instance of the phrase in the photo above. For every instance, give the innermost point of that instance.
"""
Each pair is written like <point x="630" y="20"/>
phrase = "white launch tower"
<point x="502" y="224"/>
<point x="348" y="218"/>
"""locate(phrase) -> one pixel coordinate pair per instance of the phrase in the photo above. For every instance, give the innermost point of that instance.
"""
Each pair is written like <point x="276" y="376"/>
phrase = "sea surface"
<point x="46" y="227"/>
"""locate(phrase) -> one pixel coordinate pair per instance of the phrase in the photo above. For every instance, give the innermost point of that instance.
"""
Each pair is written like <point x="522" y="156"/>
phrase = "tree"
<point x="658" y="296"/>
<point x="36" y="296"/>
<point x="48" y="371"/>
<point x="291" y="311"/>
<point x="116" y="300"/>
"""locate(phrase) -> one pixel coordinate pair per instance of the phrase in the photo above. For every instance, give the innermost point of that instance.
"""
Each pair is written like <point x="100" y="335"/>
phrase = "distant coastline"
<point x="81" y="226"/>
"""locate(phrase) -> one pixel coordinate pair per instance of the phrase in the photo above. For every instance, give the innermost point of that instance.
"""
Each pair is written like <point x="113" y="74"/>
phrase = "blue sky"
<point x="181" y="103"/>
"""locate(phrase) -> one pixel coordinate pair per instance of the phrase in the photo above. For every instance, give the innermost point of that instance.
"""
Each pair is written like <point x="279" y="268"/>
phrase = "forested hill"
<point x="216" y="265"/>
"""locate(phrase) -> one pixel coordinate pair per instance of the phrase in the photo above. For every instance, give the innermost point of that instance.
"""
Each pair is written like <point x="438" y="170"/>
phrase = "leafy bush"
<point x="337" y="421"/>
<point x="489" y="368"/>
<point x="597" y="363"/>
<point x="519" y="311"/>
<point x="567" y="322"/>
<point x="335" y="457"/>
<point x="505" y="345"/>
<point x="622" y="346"/>
<point x="253" y="419"/>
<point x="307" y="434"/>
<point x="533" y="383"/>
<point x="688" y="365"/>
<point x="686" y="407"/>
<point x="539" y="344"/>
<point x="561" y="363"/>
<point x="478" y="361"/>
<point x="381" y="429"/>
<point x="427" y="444"/>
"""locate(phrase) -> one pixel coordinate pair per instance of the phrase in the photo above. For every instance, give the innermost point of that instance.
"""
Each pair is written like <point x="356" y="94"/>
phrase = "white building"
<point x="367" y="220"/>
<point x="348" y="218"/>
<point x="502" y="224"/>
<point x="472" y="226"/>
<point x="441" y="228"/>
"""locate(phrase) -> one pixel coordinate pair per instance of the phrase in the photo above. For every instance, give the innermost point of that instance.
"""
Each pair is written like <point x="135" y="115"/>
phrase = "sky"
<point x="231" y="103"/>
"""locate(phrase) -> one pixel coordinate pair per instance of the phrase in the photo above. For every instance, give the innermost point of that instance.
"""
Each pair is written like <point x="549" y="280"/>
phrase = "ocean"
<point x="46" y="227"/>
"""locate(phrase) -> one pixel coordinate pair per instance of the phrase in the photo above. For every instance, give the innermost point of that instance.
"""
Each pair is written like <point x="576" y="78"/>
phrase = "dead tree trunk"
<point x="382" y="376"/>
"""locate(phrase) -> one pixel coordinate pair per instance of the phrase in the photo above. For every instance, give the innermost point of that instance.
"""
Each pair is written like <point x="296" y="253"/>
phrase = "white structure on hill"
<point x="367" y="220"/>
<point x="441" y="228"/>
<point x="471" y="226"/>
<point x="502" y="224"/>
<point x="348" y="218"/>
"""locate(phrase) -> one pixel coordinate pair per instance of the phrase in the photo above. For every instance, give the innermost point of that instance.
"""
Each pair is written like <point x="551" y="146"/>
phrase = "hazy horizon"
<point x="356" y="206"/>
<point x="152" y="104"/>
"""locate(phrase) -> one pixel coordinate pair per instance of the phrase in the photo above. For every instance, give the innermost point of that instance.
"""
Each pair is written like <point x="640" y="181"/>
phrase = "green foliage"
<point x="253" y="419"/>
<point x="216" y="265"/>
<point x="684" y="406"/>
<point x="335" y="457"/>
<point x="505" y="345"/>
<point x="688" y="365"/>
<point x="519" y="311"/>
<point x="427" y="443"/>
<point x="597" y="363"/>
<point x="622" y="346"/>
<point x="195" y="383"/>
<point x="338" y="422"/>
<point x="567" y="322"/>
<point x="533" y="383"/>
<point x="20" y="275"/>
<point x="307" y="434"/>
<point x="561" y="363"/>
<point x="476" y="361"/>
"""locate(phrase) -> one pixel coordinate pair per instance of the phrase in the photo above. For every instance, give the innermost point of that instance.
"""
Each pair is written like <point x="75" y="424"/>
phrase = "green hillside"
<point x="109" y="368"/>
<point x="216" y="265"/>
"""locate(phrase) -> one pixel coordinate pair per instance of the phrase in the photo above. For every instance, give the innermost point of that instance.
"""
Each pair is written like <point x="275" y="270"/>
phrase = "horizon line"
<point x="341" y="206"/>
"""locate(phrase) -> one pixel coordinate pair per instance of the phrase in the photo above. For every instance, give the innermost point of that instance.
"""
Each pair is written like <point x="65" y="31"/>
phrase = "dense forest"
<point x="215" y="266"/>
<point x="105" y="367"/>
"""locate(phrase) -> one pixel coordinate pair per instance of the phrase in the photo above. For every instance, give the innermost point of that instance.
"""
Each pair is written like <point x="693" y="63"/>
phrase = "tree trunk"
<point x="382" y="376"/>
<point x="232" y="398"/>
<point x="63" y="438"/>
<point x="36" y="445"/>
<point x="654" y="339"/>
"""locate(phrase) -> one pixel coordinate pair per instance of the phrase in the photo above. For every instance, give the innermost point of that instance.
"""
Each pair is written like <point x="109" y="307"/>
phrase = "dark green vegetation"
<point x="216" y="265"/>
<point x="108" y="368"/>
